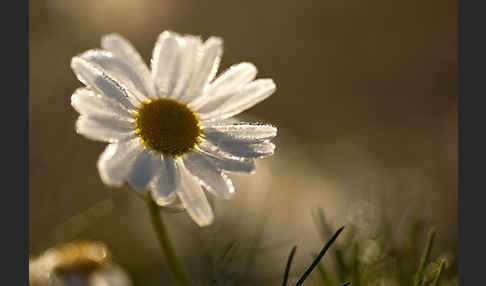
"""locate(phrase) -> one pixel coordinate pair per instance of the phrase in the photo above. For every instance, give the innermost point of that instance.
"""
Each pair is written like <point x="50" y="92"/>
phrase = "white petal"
<point x="122" y="49"/>
<point x="193" y="198"/>
<point x="190" y="53"/>
<point x="224" y="160"/>
<point x="87" y="102"/>
<point x="226" y="121"/>
<point x="116" y="161"/>
<point x="146" y="166"/>
<point x="101" y="83"/>
<point x="230" y="81"/>
<point x="206" y="68"/>
<point x="213" y="51"/>
<point x="244" y="149"/>
<point x="250" y="133"/>
<point x="172" y="63"/>
<point x="121" y="71"/>
<point x="104" y="129"/>
<point x="245" y="98"/>
<point x="165" y="184"/>
<point x="210" y="177"/>
<point x="165" y="61"/>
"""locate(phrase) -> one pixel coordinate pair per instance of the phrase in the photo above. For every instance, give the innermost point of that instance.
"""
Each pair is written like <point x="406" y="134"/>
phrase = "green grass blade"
<point x="425" y="257"/>
<point x="289" y="263"/>
<point x="342" y="268"/>
<point x="319" y="257"/>
<point x="439" y="272"/>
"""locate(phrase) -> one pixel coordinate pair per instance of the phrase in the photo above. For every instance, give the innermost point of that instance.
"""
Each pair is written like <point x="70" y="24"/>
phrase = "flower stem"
<point x="167" y="250"/>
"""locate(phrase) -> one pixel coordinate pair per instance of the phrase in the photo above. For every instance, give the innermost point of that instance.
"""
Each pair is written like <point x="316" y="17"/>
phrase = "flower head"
<point x="78" y="263"/>
<point x="170" y="128"/>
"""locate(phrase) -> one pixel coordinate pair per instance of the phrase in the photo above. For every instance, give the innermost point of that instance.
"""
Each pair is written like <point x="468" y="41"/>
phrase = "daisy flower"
<point x="170" y="129"/>
<point x="77" y="263"/>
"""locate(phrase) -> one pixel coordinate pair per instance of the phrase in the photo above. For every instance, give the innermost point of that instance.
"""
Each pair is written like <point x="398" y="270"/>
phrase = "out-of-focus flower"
<point x="170" y="129"/>
<point x="80" y="263"/>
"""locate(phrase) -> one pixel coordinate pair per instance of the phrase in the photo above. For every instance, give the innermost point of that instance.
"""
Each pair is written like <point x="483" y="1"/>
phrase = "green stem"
<point x="425" y="257"/>
<point x="439" y="272"/>
<point x="287" y="267"/>
<point x="167" y="250"/>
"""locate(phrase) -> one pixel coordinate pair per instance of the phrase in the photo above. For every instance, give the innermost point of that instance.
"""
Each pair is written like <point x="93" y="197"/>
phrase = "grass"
<point x="347" y="258"/>
<point x="377" y="259"/>
<point x="289" y="264"/>
<point x="319" y="257"/>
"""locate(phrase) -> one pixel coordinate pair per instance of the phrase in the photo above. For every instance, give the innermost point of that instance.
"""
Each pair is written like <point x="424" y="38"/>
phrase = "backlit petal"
<point x="165" y="184"/>
<point x="104" y="129"/>
<point x="88" y="103"/>
<point x="94" y="78"/>
<point x="206" y="67"/>
<point x="211" y="177"/>
<point x="122" y="49"/>
<point x="120" y="70"/>
<point x="144" y="169"/>
<point x="224" y="160"/>
<point x="224" y="87"/>
<point x="250" y="133"/>
<point x="193" y="198"/>
<point x="243" y="99"/>
<point x="116" y="161"/>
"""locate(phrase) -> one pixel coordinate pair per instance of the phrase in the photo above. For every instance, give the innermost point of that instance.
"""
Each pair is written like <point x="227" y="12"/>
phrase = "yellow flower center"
<point x="81" y="267"/>
<point x="168" y="126"/>
<point x="81" y="258"/>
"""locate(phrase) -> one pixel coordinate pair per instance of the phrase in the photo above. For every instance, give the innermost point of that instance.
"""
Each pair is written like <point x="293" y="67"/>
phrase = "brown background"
<point x="366" y="107"/>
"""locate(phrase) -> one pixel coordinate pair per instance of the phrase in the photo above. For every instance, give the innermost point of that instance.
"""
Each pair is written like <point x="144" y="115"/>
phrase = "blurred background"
<point x="366" y="107"/>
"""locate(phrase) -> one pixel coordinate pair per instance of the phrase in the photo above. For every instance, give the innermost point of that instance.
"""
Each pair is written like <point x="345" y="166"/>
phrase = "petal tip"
<point x="213" y="40"/>
<point x="105" y="178"/>
<point x="77" y="125"/>
<point x="74" y="99"/>
<point x="74" y="62"/>
<point x="205" y="222"/>
<point x="271" y="85"/>
<point x="249" y="66"/>
<point x="168" y="34"/>
<point x="110" y="36"/>
<point x="109" y="183"/>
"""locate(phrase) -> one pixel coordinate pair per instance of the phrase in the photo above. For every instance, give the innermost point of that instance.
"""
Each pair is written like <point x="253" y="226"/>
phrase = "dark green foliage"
<point x="319" y="257"/>
<point x="287" y="267"/>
